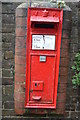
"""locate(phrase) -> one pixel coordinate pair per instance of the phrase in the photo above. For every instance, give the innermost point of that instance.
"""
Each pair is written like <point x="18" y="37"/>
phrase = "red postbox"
<point x="44" y="28"/>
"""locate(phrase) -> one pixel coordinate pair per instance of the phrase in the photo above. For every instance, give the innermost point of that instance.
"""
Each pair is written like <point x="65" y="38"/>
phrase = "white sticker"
<point x="44" y="42"/>
<point x="49" y="42"/>
<point x="37" y="41"/>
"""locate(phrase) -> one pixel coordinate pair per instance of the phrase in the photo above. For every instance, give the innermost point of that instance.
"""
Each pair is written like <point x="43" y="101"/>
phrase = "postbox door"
<point x="42" y="79"/>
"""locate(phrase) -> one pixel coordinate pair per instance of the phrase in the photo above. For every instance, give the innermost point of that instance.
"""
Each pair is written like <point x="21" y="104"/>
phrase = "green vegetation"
<point x="76" y="69"/>
<point x="60" y="3"/>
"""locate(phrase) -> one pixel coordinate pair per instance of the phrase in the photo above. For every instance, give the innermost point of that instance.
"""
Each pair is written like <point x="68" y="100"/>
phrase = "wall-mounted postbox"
<point x="44" y="28"/>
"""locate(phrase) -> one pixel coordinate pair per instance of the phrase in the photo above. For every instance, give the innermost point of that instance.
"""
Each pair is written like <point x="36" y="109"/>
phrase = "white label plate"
<point x="43" y="42"/>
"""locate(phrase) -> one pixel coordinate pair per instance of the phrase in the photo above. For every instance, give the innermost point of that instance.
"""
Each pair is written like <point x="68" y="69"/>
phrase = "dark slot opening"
<point x="43" y="25"/>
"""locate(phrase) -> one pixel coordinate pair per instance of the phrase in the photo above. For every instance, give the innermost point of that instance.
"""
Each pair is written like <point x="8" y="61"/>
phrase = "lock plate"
<point x="37" y="85"/>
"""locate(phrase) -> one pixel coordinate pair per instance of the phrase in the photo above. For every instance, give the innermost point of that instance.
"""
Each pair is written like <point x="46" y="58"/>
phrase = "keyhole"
<point x="35" y="84"/>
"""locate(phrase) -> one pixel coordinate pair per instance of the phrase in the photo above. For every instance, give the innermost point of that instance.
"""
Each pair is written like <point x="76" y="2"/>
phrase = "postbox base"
<point x="41" y="106"/>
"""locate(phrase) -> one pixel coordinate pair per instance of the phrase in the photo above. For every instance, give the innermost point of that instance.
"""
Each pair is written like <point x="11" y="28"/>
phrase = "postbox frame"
<point x="55" y="53"/>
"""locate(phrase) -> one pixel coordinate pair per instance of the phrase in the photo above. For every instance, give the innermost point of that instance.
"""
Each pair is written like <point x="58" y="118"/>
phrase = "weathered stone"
<point x="8" y="37"/>
<point x="21" y="12"/>
<point x="7" y="73"/>
<point x="74" y="32"/>
<point x="0" y="8"/>
<point x="8" y="28"/>
<point x="6" y="45"/>
<point x="75" y="115"/>
<point x="74" y="48"/>
<point x="8" y="19"/>
<point x="9" y="8"/>
<point x="9" y="105"/>
<point x="8" y="113"/>
<point x="9" y="55"/>
<point x="8" y="93"/>
<point x="7" y="80"/>
<point x="8" y="64"/>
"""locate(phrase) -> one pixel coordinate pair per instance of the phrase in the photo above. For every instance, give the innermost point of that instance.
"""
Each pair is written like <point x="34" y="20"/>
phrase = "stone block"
<point x="75" y="115"/>
<point x="65" y="44"/>
<point x="8" y="18"/>
<point x="19" y="87"/>
<point x="20" y="21"/>
<point x="19" y="78"/>
<point x="6" y="97"/>
<point x="66" y="34"/>
<point x="20" y="51"/>
<point x="20" y="69"/>
<point x="8" y="113"/>
<point x="21" y="12"/>
<point x="61" y="97"/>
<point x="64" y="53"/>
<point x="8" y="28"/>
<point x="73" y="48"/>
<point x="0" y="81"/>
<point x="6" y="45"/>
<point x="74" y="32"/>
<point x="63" y="79"/>
<point x="20" y="60"/>
<point x="1" y="73"/>
<point x="7" y="80"/>
<point x="8" y="64"/>
<point x="9" y="8"/>
<point x="62" y="88"/>
<point x="20" y="32"/>
<point x="9" y="55"/>
<point x="20" y="42"/>
<point x="20" y="96"/>
<point x="8" y="37"/>
<point x="8" y="90"/>
<point x="64" y="62"/>
<point x="63" y="71"/>
<point x="9" y="105"/>
<point x="7" y="73"/>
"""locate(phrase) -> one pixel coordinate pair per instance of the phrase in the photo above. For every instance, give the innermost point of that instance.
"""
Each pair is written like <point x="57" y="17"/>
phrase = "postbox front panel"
<point x="43" y="55"/>
<point x="42" y="79"/>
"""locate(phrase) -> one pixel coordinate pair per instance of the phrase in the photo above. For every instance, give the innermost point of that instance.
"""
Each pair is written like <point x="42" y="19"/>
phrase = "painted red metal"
<point x="42" y="62"/>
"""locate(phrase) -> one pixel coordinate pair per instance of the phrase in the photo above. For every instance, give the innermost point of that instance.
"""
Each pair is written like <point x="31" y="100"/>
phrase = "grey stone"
<point x="8" y="37"/>
<point x="74" y="48"/>
<point x="0" y="94"/>
<point x="8" y="19"/>
<point x="7" y="73"/>
<point x="0" y="39"/>
<point x="0" y="73"/>
<point x="23" y="5"/>
<point x="9" y="105"/>
<point x="0" y="7"/>
<point x="0" y="81"/>
<point x="9" y="8"/>
<point x="8" y="28"/>
<point x="49" y="5"/>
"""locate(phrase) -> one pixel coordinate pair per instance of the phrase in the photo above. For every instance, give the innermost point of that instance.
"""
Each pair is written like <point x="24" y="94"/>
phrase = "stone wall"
<point x="79" y="26"/>
<point x="72" y="105"/>
<point x="8" y="52"/>
<point x="0" y="60"/>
